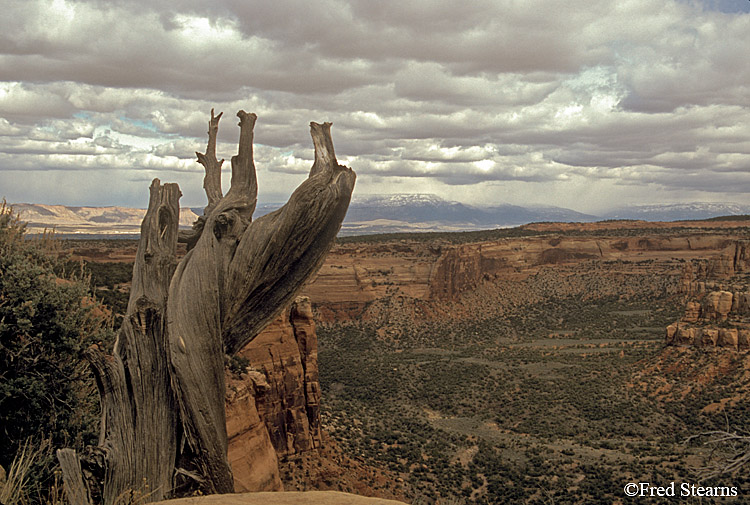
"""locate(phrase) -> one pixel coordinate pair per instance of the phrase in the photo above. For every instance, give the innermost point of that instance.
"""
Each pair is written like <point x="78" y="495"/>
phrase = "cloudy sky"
<point x="585" y="104"/>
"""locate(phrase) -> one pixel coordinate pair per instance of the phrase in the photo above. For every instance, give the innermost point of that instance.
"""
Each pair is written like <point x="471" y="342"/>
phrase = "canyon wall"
<point x="356" y="276"/>
<point x="717" y="308"/>
<point x="273" y="410"/>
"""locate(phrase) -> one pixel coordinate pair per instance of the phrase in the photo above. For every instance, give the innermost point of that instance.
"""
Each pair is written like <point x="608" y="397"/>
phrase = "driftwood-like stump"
<point x="163" y="429"/>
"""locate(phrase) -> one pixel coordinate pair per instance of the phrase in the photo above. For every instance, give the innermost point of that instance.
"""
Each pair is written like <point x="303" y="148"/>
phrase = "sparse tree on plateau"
<point x="163" y="430"/>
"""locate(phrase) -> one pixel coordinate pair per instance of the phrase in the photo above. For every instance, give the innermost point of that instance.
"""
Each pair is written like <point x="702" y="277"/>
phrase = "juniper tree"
<point x="163" y="430"/>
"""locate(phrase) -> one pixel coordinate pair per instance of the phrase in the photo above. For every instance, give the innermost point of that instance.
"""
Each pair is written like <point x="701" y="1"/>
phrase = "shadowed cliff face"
<point x="273" y="411"/>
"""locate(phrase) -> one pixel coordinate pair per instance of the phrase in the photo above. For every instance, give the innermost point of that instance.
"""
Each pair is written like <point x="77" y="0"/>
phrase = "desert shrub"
<point x="46" y="322"/>
<point x="109" y="274"/>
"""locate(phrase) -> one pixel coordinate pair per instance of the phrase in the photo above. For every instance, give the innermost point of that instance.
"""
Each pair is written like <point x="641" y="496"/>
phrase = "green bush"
<point x="46" y="322"/>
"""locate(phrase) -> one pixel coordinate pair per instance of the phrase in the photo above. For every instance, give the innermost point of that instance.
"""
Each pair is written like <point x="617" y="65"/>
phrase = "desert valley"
<point x="522" y="276"/>
<point x="548" y="363"/>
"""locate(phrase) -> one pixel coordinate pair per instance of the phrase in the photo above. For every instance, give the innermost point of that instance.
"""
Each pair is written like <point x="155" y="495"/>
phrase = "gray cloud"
<point x="632" y="98"/>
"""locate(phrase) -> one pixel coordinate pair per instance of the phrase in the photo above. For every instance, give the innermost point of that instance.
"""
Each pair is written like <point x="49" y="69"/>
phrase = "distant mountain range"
<point x="377" y="214"/>
<point x="88" y="220"/>
<point x="427" y="212"/>
<point x="679" y="211"/>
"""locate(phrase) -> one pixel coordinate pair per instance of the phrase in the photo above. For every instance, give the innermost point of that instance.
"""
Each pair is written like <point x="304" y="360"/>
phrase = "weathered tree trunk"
<point x="163" y="429"/>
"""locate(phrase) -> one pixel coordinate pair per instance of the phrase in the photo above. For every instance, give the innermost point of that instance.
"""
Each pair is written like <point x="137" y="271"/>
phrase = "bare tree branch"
<point x="730" y="453"/>
<point x="212" y="180"/>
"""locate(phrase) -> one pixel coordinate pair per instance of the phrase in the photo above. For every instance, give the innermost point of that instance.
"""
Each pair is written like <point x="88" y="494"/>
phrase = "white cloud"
<point x="462" y="100"/>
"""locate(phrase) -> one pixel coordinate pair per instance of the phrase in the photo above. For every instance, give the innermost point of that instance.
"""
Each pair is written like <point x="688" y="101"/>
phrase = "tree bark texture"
<point x="163" y="430"/>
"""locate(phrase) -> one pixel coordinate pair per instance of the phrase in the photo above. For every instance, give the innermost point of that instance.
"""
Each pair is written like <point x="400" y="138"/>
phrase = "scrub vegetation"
<point x="550" y="405"/>
<point x="48" y="398"/>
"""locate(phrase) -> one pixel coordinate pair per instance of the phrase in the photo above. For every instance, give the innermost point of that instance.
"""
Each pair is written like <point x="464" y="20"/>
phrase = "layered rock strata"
<point x="685" y="334"/>
<point x="717" y="311"/>
<point x="273" y="410"/>
<point x="252" y="456"/>
<point x="355" y="276"/>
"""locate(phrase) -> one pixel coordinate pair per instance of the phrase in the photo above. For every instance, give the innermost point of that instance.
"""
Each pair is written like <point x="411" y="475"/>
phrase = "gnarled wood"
<point x="262" y="279"/>
<point x="163" y="422"/>
<point x="138" y="405"/>
<point x="212" y="180"/>
<point x="75" y="489"/>
<point x="245" y="274"/>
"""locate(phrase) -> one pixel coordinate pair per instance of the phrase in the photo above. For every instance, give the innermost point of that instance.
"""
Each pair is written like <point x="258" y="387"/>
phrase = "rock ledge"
<point x="283" y="498"/>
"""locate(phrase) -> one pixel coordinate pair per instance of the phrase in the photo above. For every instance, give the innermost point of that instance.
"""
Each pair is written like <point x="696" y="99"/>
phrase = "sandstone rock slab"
<point x="286" y="498"/>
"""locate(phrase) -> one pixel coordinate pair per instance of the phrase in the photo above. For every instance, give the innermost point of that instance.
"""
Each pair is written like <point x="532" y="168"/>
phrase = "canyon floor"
<point x="524" y="365"/>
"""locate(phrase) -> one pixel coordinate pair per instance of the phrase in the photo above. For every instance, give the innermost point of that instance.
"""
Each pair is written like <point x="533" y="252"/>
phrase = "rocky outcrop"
<point x="684" y="334"/>
<point x="253" y="458"/>
<point x="692" y="312"/>
<point x="693" y="279"/>
<point x="273" y="411"/>
<point x="717" y="305"/>
<point x="354" y="276"/>
<point x="735" y="259"/>
<point x="717" y="311"/>
<point x="741" y="303"/>
<point x="698" y="325"/>
<point x="742" y="256"/>
<point x="458" y="269"/>
<point x="288" y="498"/>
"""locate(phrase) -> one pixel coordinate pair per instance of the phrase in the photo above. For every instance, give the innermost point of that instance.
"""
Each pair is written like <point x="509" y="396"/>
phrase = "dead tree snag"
<point x="163" y="430"/>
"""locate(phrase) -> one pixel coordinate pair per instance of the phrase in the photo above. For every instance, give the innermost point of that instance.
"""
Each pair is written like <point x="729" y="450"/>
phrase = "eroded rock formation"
<point x="273" y="411"/>
<point x="356" y="277"/>
<point x="253" y="458"/>
<point x="717" y="311"/>
<point x="682" y="333"/>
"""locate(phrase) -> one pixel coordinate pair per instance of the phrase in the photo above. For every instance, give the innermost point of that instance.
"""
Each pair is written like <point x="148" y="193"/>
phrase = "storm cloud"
<point x="587" y="104"/>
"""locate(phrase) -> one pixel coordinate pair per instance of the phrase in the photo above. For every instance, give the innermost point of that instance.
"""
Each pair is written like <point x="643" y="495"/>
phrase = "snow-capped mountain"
<point x="431" y="208"/>
<point x="400" y="199"/>
<point x="428" y="212"/>
<point x="377" y="214"/>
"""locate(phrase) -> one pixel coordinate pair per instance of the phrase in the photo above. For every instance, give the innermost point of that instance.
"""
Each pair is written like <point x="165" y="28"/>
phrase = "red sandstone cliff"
<point x="356" y="279"/>
<point x="252" y="456"/>
<point x="717" y="310"/>
<point x="273" y="411"/>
